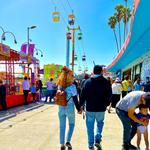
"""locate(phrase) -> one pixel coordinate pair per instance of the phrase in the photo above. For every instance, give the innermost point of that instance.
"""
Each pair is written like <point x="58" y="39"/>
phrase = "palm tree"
<point x="119" y="15"/>
<point x="112" y="21"/>
<point x="126" y="17"/>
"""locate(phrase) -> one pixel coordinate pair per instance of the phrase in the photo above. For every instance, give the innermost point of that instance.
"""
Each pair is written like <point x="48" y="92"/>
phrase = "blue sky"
<point x="92" y="16"/>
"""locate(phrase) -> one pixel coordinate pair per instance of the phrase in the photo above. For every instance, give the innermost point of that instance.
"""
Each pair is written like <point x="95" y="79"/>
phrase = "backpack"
<point x="61" y="98"/>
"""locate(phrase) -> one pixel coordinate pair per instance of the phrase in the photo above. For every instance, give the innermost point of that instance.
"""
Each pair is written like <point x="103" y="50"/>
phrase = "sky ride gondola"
<point x="79" y="36"/>
<point x="79" y="69"/>
<point x="56" y="16"/>
<point x="75" y="57"/>
<point x="71" y="19"/>
<point x="68" y="36"/>
<point x="84" y="58"/>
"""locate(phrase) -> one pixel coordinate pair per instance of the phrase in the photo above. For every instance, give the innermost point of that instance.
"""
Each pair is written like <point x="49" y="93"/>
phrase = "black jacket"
<point x="2" y="90"/>
<point x="147" y="87"/>
<point x="96" y="92"/>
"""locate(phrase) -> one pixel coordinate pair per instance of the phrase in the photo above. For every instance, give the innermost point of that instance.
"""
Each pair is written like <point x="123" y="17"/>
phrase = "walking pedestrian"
<point x="125" y="110"/>
<point x="95" y="94"/>
<point x="147" y="85"/>
<point x="39" y="86"/>
<point x="33" y="91"/>
<point x="137" y="84"/>
<point x="116" y="94"/>
<point x="49" y="92"/>
<point x="65" y="81"/>
<point x="26" y="89"/>
<point x="86" y="76"/>
<point x="3" y="95"/>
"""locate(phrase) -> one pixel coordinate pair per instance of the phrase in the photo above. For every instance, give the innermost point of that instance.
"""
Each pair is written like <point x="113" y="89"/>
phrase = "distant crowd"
<point x="94" y="95"/>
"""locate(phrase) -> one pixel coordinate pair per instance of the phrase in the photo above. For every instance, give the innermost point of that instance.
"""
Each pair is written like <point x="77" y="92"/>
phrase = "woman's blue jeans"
<point x="91" y="117"/>
<point x="63" y="114"/>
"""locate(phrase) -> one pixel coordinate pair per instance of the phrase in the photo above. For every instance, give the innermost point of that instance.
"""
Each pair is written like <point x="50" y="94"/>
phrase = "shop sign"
<point x="4" y="50"/>
<point x="52" y="71"/>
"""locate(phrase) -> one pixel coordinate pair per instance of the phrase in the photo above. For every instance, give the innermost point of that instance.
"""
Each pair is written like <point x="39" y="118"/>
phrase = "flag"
<point x="31" y="49"/>
<point x="24" y="48"/>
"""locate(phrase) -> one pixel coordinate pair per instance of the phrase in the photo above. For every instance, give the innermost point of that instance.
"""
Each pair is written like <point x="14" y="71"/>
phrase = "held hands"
<point x="81" y="110"/>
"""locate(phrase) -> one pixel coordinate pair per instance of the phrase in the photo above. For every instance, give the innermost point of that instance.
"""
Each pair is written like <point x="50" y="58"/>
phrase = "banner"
<point x="24" y="48"/>
<point x="51" y="71"/>
<point x="30" y="51"/>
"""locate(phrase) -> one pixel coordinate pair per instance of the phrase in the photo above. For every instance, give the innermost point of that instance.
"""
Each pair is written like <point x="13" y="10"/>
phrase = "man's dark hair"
<point x="25" y="78"/>
<point x="51" y="79"/>
<point x="97" y="69"/>
<point x="147" y="99"/>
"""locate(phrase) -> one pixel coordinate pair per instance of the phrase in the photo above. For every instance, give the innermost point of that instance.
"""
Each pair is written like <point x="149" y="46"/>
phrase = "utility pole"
<point x="73" y="44"/>
<point x="68" y="37"/>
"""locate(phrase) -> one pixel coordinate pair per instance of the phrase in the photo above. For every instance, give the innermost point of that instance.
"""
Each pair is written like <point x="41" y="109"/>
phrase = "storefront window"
<point x="137" y="69"/>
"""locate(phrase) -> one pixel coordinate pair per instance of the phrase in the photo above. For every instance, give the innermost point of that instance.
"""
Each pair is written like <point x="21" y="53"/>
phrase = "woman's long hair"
<point x="65" y="78"/>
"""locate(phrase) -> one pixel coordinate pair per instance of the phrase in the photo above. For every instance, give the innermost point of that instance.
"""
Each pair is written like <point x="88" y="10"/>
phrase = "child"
<point x="33" y="91"/>
<point x="143" y="116"/>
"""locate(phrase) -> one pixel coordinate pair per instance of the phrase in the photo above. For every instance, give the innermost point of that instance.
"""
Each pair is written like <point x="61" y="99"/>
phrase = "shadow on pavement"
<point x="12" y="112"/>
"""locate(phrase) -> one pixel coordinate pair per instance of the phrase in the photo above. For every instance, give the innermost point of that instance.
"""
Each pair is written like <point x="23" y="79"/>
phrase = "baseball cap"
<point x="117" y="80"/>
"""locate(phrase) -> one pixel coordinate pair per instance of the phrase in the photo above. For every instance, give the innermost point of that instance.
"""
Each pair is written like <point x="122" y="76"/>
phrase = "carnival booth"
<point x="9" y="59"/>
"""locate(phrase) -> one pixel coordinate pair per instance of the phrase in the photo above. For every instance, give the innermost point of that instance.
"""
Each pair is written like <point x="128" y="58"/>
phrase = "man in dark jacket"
<point x="96" y="93"/>
<point x="147" y="85"/>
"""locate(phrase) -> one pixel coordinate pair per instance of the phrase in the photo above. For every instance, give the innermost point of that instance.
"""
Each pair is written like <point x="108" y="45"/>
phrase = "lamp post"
<point x="10" y="70"/>
<point x="28" y="40"/>
<point x="40" y="51"/>
<point x="37" y="66"/>
<point x="3" y="36"/>
<point x="2" y="31"/>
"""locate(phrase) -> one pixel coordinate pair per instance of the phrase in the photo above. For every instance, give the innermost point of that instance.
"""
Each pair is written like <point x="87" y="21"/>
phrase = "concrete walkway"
<point x="35" y="127"/>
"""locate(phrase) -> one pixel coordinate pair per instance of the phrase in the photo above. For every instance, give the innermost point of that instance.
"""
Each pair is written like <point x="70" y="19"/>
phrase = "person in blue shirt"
<point x="33" y="91"/>
<point x="142" y="116"/>
<point x="137" y="84"/>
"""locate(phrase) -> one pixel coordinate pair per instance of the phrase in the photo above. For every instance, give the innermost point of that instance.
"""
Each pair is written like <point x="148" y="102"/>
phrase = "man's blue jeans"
<point x="91" y="117"/>
<point x="63" y="114"/>
<point x="129" y="127"/>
